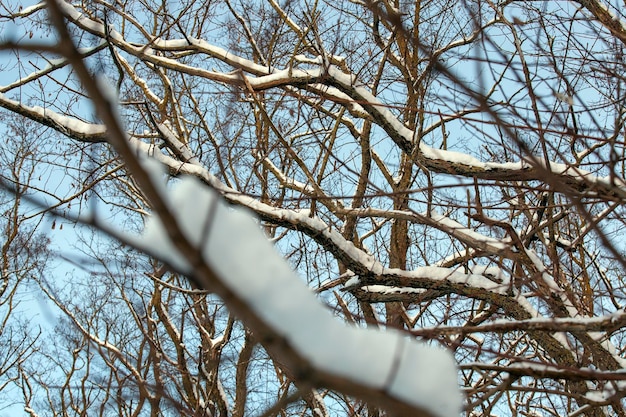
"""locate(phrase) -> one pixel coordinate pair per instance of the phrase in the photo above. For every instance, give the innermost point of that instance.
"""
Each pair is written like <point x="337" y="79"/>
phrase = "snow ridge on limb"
<point x="608" y="19"/>
<point x="458" y="163"/>
<point x="235" y="247"/>
<point x="359" y="261"/>
<point x="370" y="270"/>
<point x="69" y="126"/>
<point x="346" y="90"/>
<point x="197" y="234"/>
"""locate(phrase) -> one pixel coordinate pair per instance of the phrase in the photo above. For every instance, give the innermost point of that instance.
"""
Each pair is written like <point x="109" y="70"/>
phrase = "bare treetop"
<point x="453" y="171"/>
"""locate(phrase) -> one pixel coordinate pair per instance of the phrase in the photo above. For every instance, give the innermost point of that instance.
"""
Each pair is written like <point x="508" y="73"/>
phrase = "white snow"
<point x="435" y="371"/>
<point x="66" y="122"/>
<point x="490" y="271"/>
<point x="354" y="281"/>
<point x="458" y="230"/>
<point x="350" y="81"/>
<point x="235" y="247"/>
<point x="31" y="9"/>
<point x="597" y="396"/>
<point x="551" y="284"/>
<point x="77" y="16"/>
<point x="306" y="60"/>
<point x="385" y="289"/>
<point x="155" y="238"/>
<point x="451" y="156"/>
<point x="286" y="181"/>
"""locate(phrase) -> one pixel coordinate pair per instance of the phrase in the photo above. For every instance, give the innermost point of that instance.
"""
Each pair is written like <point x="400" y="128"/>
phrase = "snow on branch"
<point x="70" y="126"/>
<point x="332" y="83"/>
<point x="231" y="243"/>
<point x="360" y="262"/>
<point x="458" y="163"/>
